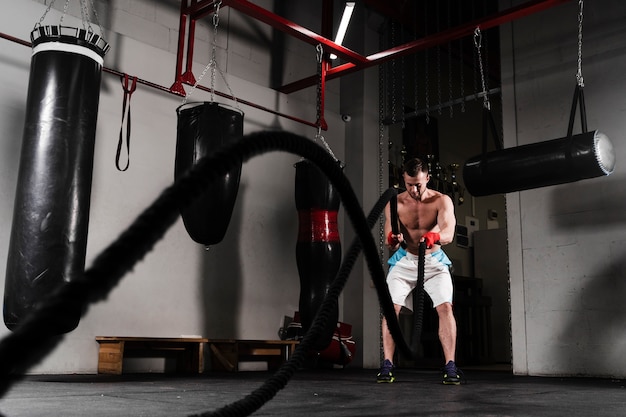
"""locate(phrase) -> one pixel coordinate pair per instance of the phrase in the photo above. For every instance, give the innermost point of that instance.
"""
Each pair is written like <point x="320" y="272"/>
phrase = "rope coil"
<point x="19" y="351"/>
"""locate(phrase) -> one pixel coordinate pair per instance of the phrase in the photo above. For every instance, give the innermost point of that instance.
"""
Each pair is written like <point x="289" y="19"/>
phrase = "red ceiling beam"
<point x="293" y="29"/>
<point x="509" y="15"/>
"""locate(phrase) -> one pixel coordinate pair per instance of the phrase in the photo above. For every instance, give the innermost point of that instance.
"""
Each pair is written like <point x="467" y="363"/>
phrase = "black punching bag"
<point x="318" y="250"/>
<point x="203" y="128"/>
<point x="51" y="215"/>
<point x="558" y="161"/>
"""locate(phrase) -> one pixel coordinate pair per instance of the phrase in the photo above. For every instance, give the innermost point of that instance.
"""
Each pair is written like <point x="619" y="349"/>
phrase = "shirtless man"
<point x="424" y="215"/>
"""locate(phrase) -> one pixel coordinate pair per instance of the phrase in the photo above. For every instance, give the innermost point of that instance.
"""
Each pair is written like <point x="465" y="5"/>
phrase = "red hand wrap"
<point x="430" y="238"/>
<point x="391" y="241"/>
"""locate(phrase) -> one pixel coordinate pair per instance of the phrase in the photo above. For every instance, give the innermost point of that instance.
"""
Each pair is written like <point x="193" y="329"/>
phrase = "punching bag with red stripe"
<point x="204" y="128"/>
<point x="318" y="250"/>
<point x="51" y="216"/>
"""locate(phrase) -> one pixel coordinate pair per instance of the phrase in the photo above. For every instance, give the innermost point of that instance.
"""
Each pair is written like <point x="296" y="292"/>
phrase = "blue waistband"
<point x="439" y="255"/>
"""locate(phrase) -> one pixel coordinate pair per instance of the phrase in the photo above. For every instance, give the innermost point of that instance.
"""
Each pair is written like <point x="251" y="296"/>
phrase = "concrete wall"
<point x="239" y="288"/>
<point x="566" y="242"/>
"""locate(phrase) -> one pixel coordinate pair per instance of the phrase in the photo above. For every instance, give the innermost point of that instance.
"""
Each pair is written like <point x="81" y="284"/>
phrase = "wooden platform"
<point x="188" y="352"/>
<point x="226" y="354"/>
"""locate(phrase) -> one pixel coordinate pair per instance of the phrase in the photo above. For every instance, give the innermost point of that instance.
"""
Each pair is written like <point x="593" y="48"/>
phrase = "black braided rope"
<point x="34" y="339"/>
<point x="418" y="300"/>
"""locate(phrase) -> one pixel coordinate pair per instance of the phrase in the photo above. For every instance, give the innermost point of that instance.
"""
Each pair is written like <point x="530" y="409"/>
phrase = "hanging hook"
<point x="478" y="37"/>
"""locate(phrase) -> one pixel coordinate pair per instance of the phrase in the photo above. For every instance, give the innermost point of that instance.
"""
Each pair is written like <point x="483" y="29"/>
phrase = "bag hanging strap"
<point x="128" y="92"/>
<point x="579" y="97"/>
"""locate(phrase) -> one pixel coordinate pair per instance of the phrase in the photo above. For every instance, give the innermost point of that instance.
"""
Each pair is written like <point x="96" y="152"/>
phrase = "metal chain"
<point x="438" y="67"/>
<point x="461" y="66"/>
<point x="382" y="104"/>
<point x="84" y="13"/>
<point x="402" y="95"/>
<point x="450" y="66"/>
<point x="478" y="44"/>
<point x="579" y="73"/>
<point x="319" y="53"/>
<point x="426" y="68"/>
<point x="393" y="75"/>
<point x="216" y="23"/>
<point x="95" y="15"/>
<point x="212" y="65"/>
<point x="415" y="79"/>
<point x="462" y="77"/>
<point x="38" y="24"/>
<point x="65" y="6"/>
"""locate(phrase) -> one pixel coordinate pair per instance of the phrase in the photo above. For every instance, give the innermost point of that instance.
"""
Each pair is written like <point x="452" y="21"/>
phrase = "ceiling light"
<point x="343" y="25"/>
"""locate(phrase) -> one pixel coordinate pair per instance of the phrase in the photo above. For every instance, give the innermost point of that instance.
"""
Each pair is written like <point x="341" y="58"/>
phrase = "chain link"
<point x="84" y="13"/>
<point x="393" y="76"/>
<point x="95" y="15"/>
<point x="462" y="77"/>
<point x="212" y="65"/>
<point x="426" y="68"/>
<point x="319" y="55"/>
<point x="438" y="66"/>
<point x="216" y="23"/>
<point x="450" y="66"/>
<point x="478" y="44"/>
<point x="579" y="73"/>
<point x="65" y="7"/>
<point x="382" y="103"/>
<point x="38" y="24"/>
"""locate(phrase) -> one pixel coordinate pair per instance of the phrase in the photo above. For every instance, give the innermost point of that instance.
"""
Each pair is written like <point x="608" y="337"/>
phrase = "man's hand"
<point x="393" y="241"/>
<point x="430" y="238"/>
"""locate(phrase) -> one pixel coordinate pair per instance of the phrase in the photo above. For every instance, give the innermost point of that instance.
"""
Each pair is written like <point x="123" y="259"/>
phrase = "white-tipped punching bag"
<point x="50" y="220"/>
<point x="558" y="161"/>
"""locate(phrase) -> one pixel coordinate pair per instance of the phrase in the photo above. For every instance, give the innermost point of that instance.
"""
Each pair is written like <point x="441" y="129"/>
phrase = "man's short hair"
<point x="413" y="166"/>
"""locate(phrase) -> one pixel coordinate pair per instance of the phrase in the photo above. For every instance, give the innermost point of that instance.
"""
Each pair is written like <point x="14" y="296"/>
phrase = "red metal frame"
<point x="196" y="9"/>
<point x="193" y="10"/>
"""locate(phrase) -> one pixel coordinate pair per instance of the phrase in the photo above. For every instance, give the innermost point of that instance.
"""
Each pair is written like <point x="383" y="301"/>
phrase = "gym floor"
<point x="334" y="392"/>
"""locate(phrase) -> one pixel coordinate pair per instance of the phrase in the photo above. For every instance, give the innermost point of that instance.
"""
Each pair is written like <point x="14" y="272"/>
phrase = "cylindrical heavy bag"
<point x="204" y="128"/>
<point x="318" y="250"/>
<point x="51" y="215"/>
<point x="558" y="161"/>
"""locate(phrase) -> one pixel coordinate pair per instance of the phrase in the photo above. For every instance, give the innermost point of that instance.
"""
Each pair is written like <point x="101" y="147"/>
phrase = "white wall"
<point x="567" y="243"/>
<point x="241" y="287"/>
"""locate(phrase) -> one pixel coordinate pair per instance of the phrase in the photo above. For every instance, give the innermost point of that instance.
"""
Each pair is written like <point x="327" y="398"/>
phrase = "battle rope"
<point x="33" y="340"/>
<point x="418" y="293"/>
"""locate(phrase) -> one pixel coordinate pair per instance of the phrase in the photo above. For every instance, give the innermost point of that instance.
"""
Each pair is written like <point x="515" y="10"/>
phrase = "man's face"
<point x="416" y="186"/>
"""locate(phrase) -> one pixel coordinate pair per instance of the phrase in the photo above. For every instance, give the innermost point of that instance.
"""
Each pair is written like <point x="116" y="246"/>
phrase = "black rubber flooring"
<point x="335" y="392"/>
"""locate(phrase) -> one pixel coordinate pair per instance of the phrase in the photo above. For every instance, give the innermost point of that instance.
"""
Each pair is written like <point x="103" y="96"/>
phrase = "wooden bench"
<point x="188" y="352"/>
<point x="226" y="354"/>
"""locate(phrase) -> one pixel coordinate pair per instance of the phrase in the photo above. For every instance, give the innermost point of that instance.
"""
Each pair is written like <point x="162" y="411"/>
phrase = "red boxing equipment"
<point x="391" y="240"/>
<point x="431" y="238"/>
<point x="318" y="250"/>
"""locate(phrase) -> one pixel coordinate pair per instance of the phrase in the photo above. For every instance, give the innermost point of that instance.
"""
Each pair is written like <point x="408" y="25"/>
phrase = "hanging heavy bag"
<point x="50" y="220"/>
<point x="318" y="250"/>
<point x="558" y="161"/>
<point x="203" y="128"/>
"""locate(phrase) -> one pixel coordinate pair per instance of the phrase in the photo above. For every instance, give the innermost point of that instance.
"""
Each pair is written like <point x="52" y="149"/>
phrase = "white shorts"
<point x="402" y="278"/>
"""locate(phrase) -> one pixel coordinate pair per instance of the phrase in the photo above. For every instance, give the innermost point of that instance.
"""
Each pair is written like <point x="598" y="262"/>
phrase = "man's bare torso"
<point x="418" y="217"/>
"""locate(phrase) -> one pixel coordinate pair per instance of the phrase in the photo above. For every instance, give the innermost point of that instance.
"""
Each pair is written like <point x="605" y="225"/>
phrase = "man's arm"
<point x="446" y="220"/>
